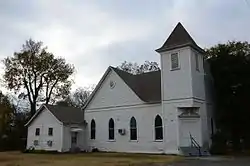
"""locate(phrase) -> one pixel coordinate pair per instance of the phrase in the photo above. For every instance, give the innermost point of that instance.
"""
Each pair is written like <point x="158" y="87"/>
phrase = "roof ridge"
<point x="149" y="72"/>
<point x="116" y="68"/>
<point x="64" y="106"/>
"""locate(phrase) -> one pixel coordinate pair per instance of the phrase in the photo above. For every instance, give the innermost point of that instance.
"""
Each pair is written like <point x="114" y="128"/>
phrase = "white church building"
<point x="166" y="112"/>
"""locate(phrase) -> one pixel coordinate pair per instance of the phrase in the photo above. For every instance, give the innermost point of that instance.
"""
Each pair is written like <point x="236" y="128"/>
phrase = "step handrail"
<point x="195" y="144"/>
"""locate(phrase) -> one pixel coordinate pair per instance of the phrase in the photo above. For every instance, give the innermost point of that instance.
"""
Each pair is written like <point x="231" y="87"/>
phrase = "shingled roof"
<point x="147" y="86"/>
<point x="66" y="115"/>
<point x="179" y="38"/>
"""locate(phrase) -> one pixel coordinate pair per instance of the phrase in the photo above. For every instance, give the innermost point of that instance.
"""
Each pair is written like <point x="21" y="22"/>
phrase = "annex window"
<point x="37" y="132"/>
<point x="92" y="129"/>
<point x="197" y="62"/>
<point x="133" y="129"/>
<point x="111" y="129"/>
<point x="175" y="61"/>
<point x="158" y="128"/>
<point x="35" y="143"/>
<point x="50" y="131"/>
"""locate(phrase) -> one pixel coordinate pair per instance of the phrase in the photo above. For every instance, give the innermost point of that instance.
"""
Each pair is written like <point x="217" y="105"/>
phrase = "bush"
<point x="219" y="144"/>
<point x="40" y="151"/>
<point x="95" y="150"/>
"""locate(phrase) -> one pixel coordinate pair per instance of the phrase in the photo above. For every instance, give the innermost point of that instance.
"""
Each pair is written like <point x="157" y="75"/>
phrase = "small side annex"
<point x="56" y="128"/>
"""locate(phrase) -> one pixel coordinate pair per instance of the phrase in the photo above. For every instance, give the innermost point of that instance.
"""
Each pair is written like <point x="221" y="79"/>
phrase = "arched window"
<point x="111" y="129"/>
<point x="133" y="129"/>
<point x="158" y="128"/>
<point x="92" y="129"/>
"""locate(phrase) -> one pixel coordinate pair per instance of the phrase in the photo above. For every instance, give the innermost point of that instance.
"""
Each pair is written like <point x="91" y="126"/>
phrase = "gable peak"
<point x="178" y="38"/>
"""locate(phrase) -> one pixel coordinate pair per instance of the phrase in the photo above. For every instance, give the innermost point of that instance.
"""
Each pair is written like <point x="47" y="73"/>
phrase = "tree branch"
<point x="30" y="86"/>
<point x="28" y="91"/>
<point x="50" y="92"/>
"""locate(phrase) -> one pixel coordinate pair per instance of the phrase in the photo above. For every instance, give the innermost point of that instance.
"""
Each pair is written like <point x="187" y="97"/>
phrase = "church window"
<point x="133" y="129"/>
<point x="175" y="61"/>
<point x="111" y="129"/>
<point x="92" y="129"/>
<point x="112" y="84"/>
<point x="158" y="128"/>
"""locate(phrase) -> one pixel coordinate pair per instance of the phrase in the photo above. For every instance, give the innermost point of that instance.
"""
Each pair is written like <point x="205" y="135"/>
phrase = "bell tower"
<point x="182" y="88"/>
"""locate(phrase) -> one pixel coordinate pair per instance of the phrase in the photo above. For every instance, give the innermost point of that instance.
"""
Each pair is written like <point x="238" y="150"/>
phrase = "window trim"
<point x="113" y="130"/>
<point x="92" y="137"/>
<point x="134" y="128"/>
<point x="37" y="129"/>
<point x="158" y="140"/>
<point x="178" y="58"/>
<point x="52" y="133"/>
<point x="36" y="142"/>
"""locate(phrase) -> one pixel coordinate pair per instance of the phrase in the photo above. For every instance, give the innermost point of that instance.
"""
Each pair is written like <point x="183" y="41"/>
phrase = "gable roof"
<point x="146" y="86"/>
<point x="179" y="38"/>
<point x="66" y="115"/>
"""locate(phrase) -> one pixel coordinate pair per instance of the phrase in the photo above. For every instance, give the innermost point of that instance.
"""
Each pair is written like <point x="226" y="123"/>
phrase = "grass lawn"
<point x="84" y="159"/>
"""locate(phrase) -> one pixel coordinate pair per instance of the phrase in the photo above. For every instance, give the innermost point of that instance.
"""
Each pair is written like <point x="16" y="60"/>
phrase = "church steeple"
<point x="179" y="38"/>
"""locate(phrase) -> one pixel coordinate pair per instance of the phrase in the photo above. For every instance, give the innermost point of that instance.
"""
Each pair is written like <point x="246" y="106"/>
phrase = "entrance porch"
<point x="74" y="138"/>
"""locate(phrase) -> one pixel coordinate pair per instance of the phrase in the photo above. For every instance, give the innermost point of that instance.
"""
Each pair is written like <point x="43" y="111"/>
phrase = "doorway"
<point x="74" y="139"/>
<point x="187" y="127"/>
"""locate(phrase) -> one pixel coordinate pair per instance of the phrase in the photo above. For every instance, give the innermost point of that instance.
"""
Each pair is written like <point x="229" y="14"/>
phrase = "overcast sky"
<point x="93" y="34"/>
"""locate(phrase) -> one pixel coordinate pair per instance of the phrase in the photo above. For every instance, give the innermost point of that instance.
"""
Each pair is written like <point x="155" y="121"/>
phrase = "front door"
<point x="189" y="126"/>
<point x="73" y="139"/>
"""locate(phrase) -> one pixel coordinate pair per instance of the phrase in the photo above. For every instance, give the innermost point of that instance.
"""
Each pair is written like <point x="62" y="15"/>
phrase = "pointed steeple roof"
<point x="179" y="38"/>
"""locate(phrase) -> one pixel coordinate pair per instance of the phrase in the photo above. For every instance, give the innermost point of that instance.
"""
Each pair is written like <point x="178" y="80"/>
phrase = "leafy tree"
<point x="6" y="120"/>
<point x="5" y="114"/>
<point x="78" y="98"/>
<point x="230" y="68"/>
<point x="12" y="120"/>
<point x="134" y="68"/>
<point x="37" y="74"/>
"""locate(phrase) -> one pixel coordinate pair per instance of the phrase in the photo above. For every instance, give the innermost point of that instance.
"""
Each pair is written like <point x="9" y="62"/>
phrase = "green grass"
<point x="84" y="159"/>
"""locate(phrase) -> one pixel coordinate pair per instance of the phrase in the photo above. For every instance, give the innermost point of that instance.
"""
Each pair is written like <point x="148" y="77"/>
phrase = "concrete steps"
<point x="193" y="151"/>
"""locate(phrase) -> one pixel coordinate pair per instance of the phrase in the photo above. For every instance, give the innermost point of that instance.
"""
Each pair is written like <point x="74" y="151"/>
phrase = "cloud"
<point x="211" y="22"/>
<point x="95" y="34"/>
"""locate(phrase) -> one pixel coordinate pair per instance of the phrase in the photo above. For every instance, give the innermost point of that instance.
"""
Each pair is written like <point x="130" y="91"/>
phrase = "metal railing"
<point x="195" y="144"/>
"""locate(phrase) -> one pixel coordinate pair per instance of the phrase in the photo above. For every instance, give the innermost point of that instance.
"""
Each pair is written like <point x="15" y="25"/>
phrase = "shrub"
<point x="95" y="150"/>
<point x="219" y="144"/>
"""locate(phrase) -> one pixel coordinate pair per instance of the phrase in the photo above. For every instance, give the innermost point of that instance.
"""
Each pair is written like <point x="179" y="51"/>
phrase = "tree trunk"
<point x="33" y="108"/>
<point x="47" y="101"/>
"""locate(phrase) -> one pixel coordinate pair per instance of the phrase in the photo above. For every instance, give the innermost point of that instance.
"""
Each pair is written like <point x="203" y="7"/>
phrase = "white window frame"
<point x="111" y="140"/>
<point x="135" y="128"/>
<point x="94" y="136"/>
<point x="178" y="58"/>
<point x="52" y="131"/>
<point x="162" y="126"/>
<point x="38" y="129"/>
